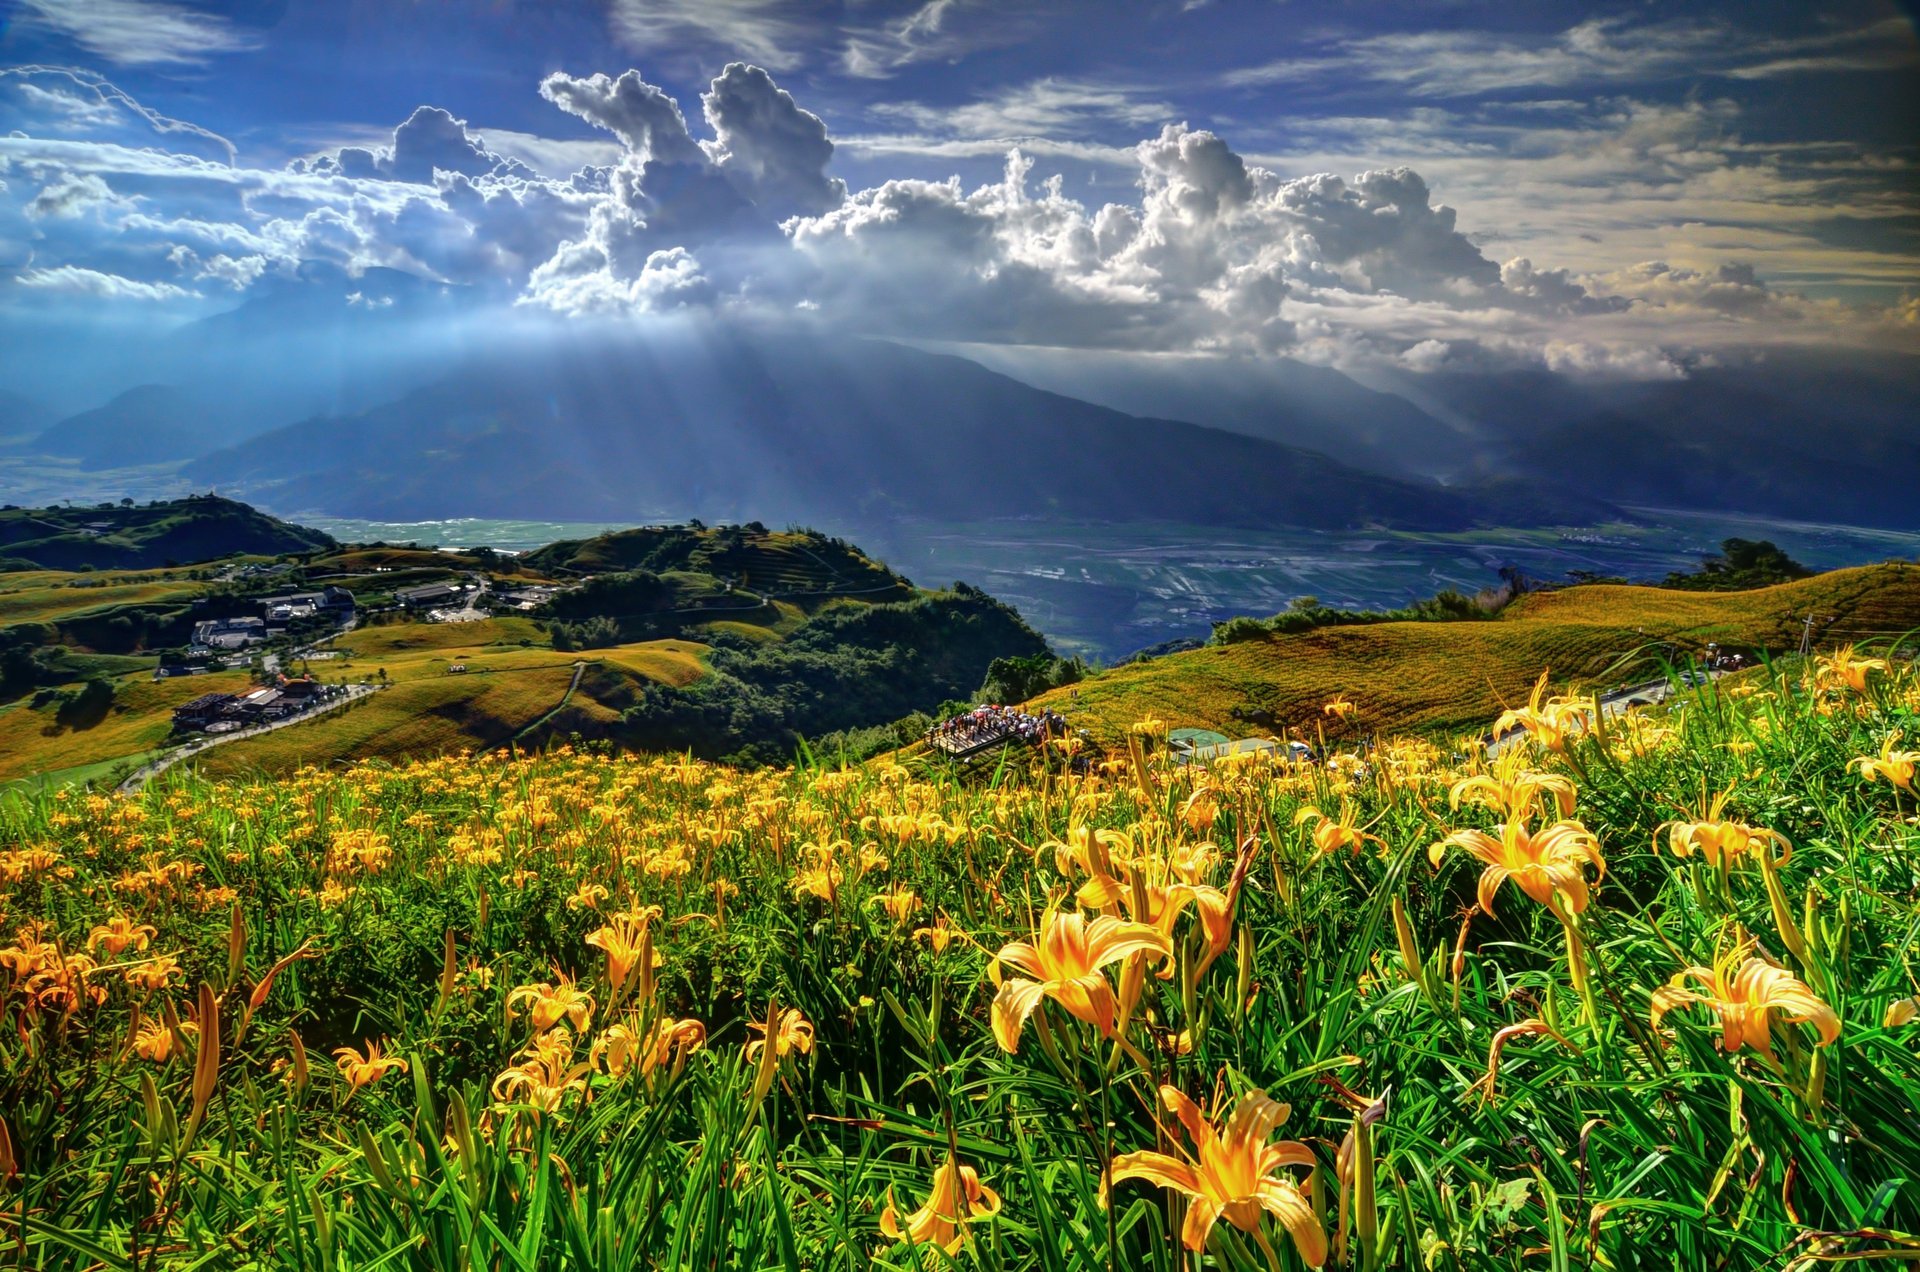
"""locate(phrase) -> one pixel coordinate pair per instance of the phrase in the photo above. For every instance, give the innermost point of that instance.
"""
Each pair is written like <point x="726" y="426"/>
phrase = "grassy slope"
<point x="1405" y="676"/>
<point x="430" y="710"/>
<point x="140" y="718"/>
<point x="48" y="596"/>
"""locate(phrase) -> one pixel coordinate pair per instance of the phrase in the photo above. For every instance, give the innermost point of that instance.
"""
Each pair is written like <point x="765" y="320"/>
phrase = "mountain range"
<point x="387" y="396"/>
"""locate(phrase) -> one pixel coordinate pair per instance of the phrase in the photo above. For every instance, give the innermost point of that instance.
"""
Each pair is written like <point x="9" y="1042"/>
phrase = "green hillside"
<point x="790" y="562"/>
<point x="129" y="536"/>
<point x="1458" y="675"/>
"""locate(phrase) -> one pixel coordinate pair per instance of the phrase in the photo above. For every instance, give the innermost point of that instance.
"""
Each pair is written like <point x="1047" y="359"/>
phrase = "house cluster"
<point x="524" y="598"/>
<point x="225" y="712"/>
<point x="230" y="635"/>
<point x="432" y="596"/>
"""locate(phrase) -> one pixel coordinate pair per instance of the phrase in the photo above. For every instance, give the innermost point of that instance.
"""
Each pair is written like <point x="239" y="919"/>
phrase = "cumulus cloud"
<point x="1208" y="251"/>
<point x="775" y="153"/>
<point x="431" y="140"/>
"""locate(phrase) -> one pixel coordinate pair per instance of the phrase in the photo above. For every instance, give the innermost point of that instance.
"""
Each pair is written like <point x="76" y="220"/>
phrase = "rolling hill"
<point x="1457" y="676"/>
<point x="128" y="536"/>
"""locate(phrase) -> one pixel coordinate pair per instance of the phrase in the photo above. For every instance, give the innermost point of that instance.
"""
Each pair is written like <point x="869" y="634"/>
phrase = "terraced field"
<point x="1429" y="676"/>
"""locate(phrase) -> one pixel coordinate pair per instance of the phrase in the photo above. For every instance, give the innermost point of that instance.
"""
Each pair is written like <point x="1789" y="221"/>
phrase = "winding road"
<point x="147" y="772"/>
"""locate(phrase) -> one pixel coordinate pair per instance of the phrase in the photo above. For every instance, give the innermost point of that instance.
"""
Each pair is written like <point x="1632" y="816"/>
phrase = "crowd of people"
<point x="991" y="722"/>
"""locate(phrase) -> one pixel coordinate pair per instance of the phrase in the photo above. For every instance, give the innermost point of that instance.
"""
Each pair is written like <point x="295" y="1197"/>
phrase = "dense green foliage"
<point x="797" y="562"/>
<point x="129" y="536"/>
<point x="1307" y="613"/>
<point x="849" y="667"/>
<point x="1741" y="564"/>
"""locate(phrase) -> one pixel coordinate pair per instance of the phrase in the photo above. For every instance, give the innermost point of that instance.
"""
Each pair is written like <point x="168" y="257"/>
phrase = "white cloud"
<point x="1045" y="107"/>
<point x="1464" y="63"/>
<point x="1598" y="268"/>
<point x="764" y="30"/>
<point x="430" y="141"/>
<point x="139" y="32"/>
<point x="63" y="101"/>
<point x="77" y="280"/>
<point x="775" y="153"/>
<point x="932" y="30"/>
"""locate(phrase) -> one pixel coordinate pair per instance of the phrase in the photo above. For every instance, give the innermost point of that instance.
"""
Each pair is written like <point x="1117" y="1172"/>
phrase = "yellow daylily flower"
<point x="1065" y="961"/>
<point x="1722" y="842"/>
<point x="900" y="903"/>
<point x="626" y="1046"/>
<point x="1845" y="669"/>
<point x="1552" y="723"/>
<point x="781" y="1034"/>
<point x="628" y="944"/>
<point x="155" y="973"/>
<point x="546" y="1075"/>
<point x="156" y="1040"/>
<point x="1331" y="834"/>
<point x="1512" y="789"/>
<point x="1541" y="864"/>
<point x="1745" y="991"/>
<point x="788" y="1031"/>
<point x="364" y="1068"/>
<point x="118" y="935"/>
<point x="956" y="1198"/>
<point x="552" y="1003"/>
<point x="1893" y="767"/>
<point x="1232" y="1173"/>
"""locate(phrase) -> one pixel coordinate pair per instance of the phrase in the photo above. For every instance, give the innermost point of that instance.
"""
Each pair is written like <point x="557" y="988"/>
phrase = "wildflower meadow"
<point x="1632" y="992"/>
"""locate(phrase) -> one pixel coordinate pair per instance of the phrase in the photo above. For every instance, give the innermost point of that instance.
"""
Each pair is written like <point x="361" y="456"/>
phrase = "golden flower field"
<point x="1641" y="993"/>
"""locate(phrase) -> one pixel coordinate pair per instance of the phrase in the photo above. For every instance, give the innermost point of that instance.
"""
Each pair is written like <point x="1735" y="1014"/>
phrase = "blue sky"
<point x="1604" y="188"/>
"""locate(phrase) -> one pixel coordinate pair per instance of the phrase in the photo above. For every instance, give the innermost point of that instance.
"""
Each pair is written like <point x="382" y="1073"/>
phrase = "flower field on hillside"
<point x="1642" y="993"/>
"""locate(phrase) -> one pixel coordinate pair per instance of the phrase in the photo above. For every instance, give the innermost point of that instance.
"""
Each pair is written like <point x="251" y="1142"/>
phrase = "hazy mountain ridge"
<point x="795" y="427"/>
<point x="388" y="395"/>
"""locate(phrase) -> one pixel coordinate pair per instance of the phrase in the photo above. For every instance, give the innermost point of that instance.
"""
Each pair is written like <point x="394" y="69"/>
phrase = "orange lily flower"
<point x="956" y="1199"/>
<point x="1541" y="864"/>
<point x="788" y="1031"/>
<point x="155" y="973"/>
<point x="363" y="1069"/>
<point x="1553" y="723"/>
<point x="552" y="1003"/>
<point x="1893" y="767"/>
<point x="120" y="934"/>
<point x="1065" y="963"/>
<point x="1512" y="789"/>
<point x="1720" y="841"/>
<point x="1330" y="834"/>
<point x="1232" y="1173"/>
<point x="1844" y="669"/>
<point x="1745" y="991"/>
<point x="627" y="944"/>
<point x="546" y="1074"/>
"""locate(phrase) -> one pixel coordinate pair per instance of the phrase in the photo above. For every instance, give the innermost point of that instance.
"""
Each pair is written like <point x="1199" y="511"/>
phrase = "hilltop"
<point x="728" y="641"/>
<point x="1404" y="676"/>
<point x="129" y="536"/>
